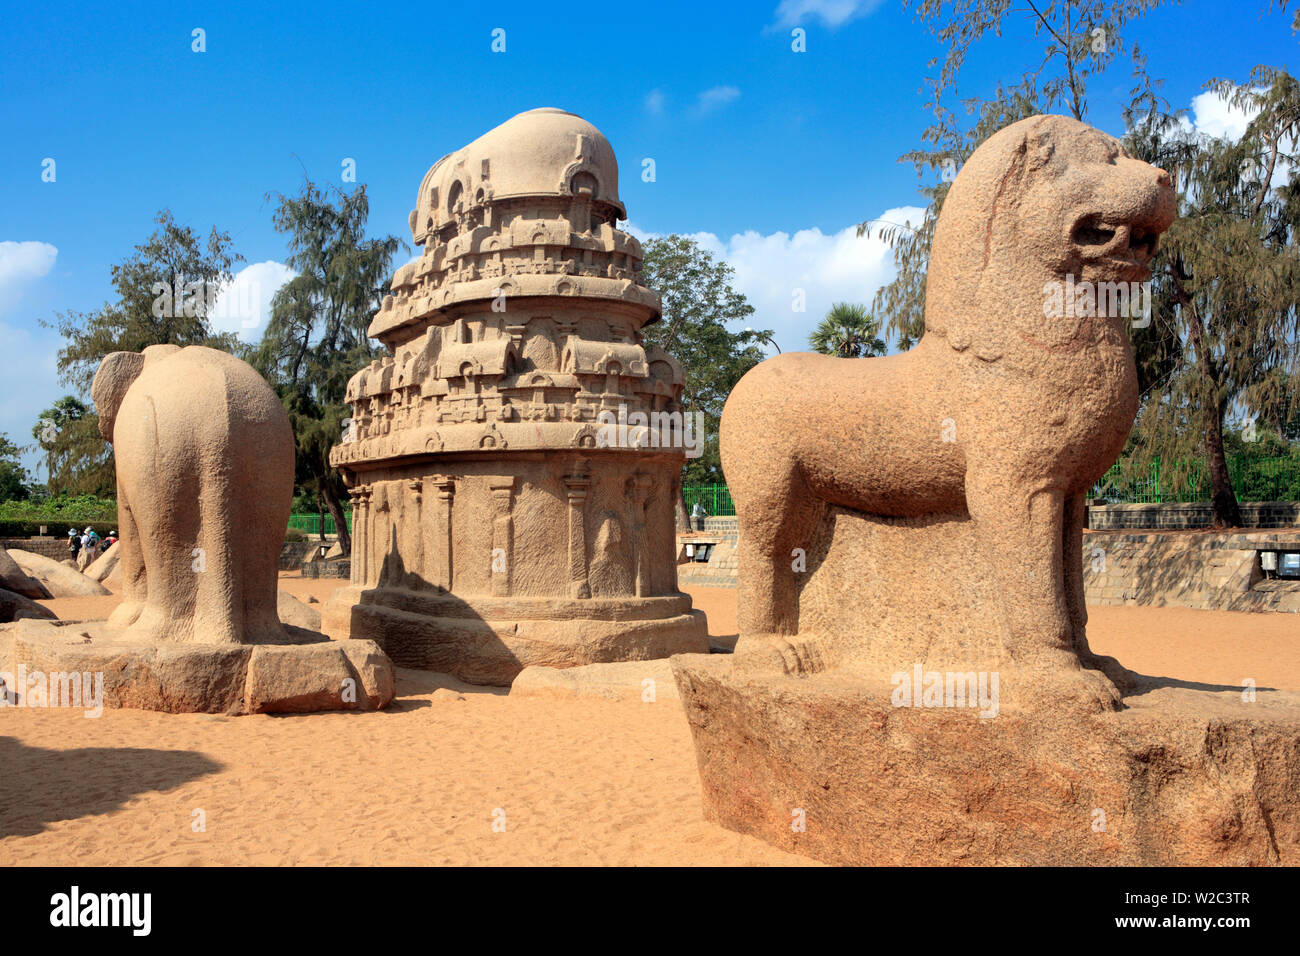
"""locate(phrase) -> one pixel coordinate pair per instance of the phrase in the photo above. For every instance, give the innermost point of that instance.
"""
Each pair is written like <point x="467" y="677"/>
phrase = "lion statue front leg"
<point x="1022" y="535"/>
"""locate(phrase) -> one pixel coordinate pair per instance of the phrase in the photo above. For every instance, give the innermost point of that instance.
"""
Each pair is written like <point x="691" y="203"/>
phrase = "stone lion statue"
<point x="1007" y="410"/>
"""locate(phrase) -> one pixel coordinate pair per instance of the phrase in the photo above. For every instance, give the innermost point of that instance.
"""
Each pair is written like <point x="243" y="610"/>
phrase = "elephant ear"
<point x="116" y="373"/>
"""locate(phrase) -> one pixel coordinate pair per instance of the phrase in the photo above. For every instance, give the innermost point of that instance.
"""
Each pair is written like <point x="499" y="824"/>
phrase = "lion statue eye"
<point x="1092" y="233"/>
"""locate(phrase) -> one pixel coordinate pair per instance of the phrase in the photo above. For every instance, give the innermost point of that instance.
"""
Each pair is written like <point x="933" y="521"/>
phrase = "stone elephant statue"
<point x="205" y="468"/>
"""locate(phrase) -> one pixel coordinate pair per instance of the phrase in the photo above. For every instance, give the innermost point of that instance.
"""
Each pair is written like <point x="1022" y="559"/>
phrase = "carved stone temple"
<point x="498" y="521"/>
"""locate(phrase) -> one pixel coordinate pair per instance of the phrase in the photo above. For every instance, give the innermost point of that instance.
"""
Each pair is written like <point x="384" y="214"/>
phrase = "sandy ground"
<point x="573" y="782"/>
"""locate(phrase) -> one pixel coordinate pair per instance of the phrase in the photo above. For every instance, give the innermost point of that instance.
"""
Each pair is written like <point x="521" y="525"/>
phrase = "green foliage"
<point x="1228" y="278"/>
<point x="77" y="459"/>
<point x="849" y="331"/>
<point x="699" y="305"/>
<point x="24" y="518"/>
<point x="173" y="254"/>
<point x="15" y="483"/>
<point x="316" y="338"/>
<point x="70" y="507"/>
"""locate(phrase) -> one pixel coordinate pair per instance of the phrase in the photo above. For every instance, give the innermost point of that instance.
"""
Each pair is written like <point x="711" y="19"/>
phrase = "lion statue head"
<point x="1047" y="200"/>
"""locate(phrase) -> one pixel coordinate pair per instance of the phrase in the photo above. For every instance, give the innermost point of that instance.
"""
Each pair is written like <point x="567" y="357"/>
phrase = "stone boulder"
<point x="15" y="579"/>
<point x="59" y="580"/>
<point x="314" y="677"/>
<point x="15" y="607"/>
<point x="295" y="613"/>
<point x="102" y="566"/>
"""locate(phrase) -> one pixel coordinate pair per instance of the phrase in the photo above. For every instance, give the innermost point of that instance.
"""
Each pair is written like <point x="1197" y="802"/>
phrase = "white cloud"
<point x="654" y="102"/>
<point x="832" y="13"/>
<point x="716" y="96"/>
<point x="244" y="306"/>
<point x="1216" y="117"/>
<point x="772" y="269"/>
<point x="21" y="263"/>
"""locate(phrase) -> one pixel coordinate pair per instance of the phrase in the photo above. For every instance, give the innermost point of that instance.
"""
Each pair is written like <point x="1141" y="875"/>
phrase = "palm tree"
<point x="848" y="331"/>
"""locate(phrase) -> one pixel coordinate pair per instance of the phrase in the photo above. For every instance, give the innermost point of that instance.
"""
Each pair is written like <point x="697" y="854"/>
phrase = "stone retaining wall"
<point x="1196" y="514"/>
<point x="333" y="568"/>
<point x="722" y="524"/>
<point x="48" y="546"/>
<point x="293" y="553"/>
<point x="1208" y="571"/>
<point x="718" y="572"/>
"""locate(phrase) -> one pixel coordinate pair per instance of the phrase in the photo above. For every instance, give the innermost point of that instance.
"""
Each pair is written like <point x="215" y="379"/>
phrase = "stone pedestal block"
<point x="1185" y="775"/>
<point x="40" y="659"/>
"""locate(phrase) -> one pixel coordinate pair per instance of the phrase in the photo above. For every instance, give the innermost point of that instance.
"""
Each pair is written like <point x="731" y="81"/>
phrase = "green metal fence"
<point x="715" y="498"/>
<point x="1253" y="479"/>
<point x="311" y="523"/>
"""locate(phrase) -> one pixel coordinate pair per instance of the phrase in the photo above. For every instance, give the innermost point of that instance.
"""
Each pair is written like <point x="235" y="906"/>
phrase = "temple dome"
<point x="544" y="153"/>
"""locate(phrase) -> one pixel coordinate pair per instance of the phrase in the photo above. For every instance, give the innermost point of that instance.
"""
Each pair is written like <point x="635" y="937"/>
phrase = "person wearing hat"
<point x="89" y="548"/>
<point x="74" y="544"/>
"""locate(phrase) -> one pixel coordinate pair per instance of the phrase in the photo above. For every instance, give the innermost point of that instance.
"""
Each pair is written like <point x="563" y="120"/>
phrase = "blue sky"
<point x="769" y="156"/>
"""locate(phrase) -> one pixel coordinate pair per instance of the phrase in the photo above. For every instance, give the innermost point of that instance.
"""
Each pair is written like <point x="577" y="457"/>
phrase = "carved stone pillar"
<point x="360" y="540"/>
<point x="576" y="485"/>
<point x="639" y="487"/>
<point x="380" y="536"/>
<point x="503" y="493"/>
<point x="414" y="533"/>
<point x="446" y="492"/>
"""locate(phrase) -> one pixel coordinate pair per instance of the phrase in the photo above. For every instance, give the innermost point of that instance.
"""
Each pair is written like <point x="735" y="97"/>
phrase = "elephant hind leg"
<point x="231" y="601"/>
<point x="134" y="586"/>
<point x="245" y="510"/>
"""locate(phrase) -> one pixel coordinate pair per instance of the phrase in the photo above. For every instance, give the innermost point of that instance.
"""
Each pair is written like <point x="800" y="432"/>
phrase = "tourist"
<point x="89" y="548"/>
<point x="74" y="544"/>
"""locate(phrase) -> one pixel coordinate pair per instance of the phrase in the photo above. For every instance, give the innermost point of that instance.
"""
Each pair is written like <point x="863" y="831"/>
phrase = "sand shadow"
<point x="1147" y="683"/>
<point x="39" y="787"/>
